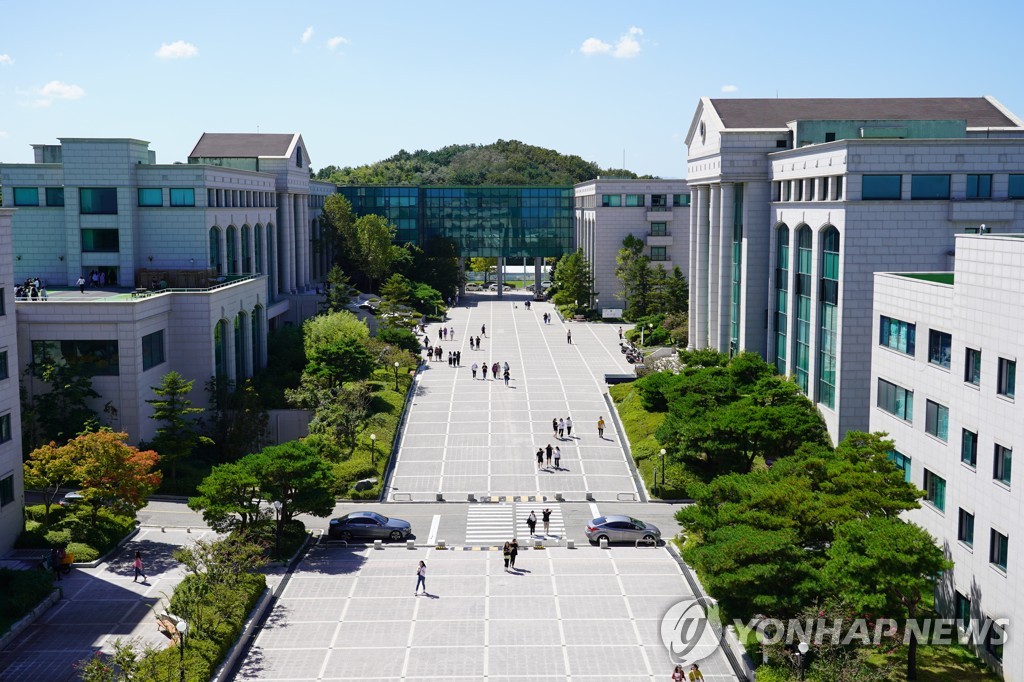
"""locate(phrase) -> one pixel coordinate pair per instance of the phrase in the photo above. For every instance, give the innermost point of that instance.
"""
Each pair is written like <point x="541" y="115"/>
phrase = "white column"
<point x="727" y="216"/>
<point x="714" y="265"/>
<point x="286" y="239"/>
<point x="701" y="277"/>
<point x="538" y="273"/>
<point x="691" y="272"/>
<point x="303" y="221"/>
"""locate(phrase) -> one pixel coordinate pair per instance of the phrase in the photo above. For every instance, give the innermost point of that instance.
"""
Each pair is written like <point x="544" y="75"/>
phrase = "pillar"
<point x="701" y="267"/>
<point x="222" y="251"/>
<point x="304" y="263"/>
<point x="691" y="272"/>
<point x="500" y="275"/>
<point x="286" y="244"/>
<point x="251" y="255"/>
<point x="538" y="273"/>
<point x="714" y="264"/>
<point x="727" y="215"/>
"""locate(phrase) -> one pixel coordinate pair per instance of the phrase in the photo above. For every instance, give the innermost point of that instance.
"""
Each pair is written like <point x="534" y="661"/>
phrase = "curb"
<point x="252" y="622"/>
<point x="32" y="616"/>
<point x="637" y="480"/>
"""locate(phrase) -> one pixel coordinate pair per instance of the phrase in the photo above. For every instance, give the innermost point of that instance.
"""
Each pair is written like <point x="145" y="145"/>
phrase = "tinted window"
<point x="183" y="197"/>
<point x="151" y="196"/>
<point x="929" y="187"/>
<point x="98" y="200"/>
<point x="880" y="187"/>
<point x="26" y="196"/>
<point x="54" y="196"/>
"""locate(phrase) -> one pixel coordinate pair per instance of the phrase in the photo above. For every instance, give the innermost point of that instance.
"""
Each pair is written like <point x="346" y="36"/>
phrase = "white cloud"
<point x="307" y="35"/>
<point x="54" y="90"/>
<point x="626" y="47"/>
<point x="334" y="42"/>
<point x="593" y="46"/>
<point x="3" y="133"/>
<point x="629" y="44"/>
<point x="179" y="49"/>
<point x="6" y="59"/>
<point x="729" y="88"/>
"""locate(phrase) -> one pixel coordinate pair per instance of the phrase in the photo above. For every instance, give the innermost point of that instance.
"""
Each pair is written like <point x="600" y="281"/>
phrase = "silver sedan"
<point x="621" y="529"/>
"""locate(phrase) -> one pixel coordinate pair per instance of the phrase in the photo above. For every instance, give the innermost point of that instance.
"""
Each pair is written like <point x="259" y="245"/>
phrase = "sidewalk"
<point x="99" y="605"/>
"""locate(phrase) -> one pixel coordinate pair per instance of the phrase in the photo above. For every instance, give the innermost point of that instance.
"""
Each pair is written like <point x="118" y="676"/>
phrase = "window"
<point x="994" y="639"/>
<point x="969" y="448"/>
<point x="183" y="196"/>
<point x="659" y="229"/>
<point x="962" y="611"/>
<point x="634" y="200"/>
<point x="298" y="158"/>
<point x="1001" y="464"/>
<point x="935" y="490"/>
<point x="998" y="545"/>
<point x="152" y="349"/>
<point x="1007" y="377"/>
<point x="98" y="200"/>
<point x="896" y="400"/>
<point x="100" y="240"/>
<point x="94" y="358"/>
<point x="897" y="334"/>
<point x="659" y="253"/>
<point x="659" y="200"/>
<point x="7" y="483"/>
<point x="828" y="318"/>
<point x="151" y="196"/>
<point x="611" y="200"/>
<point x="1016" y="187"/>
<point x="929" y="186"/>
<point x="879" y="187"/>
<point x="830" y="137"/>
<point x="939" y="347"/>
<point x="54" y="196"/>
<point x="681" y="200"/>
<point x="902" y="462"/>
<point x="5" y="372"/>
<point x="936" y="420"/>
<point x="979" y="186"/>
<point x="965" y="528"/>
<point x="802" y="342"/>
<point x="26" y="196"/>
<point x="972" y="366"/>
<point x="781" y="298"/>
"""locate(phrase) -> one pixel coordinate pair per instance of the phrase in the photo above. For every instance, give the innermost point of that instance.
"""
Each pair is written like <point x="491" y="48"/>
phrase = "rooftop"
<point x="936" y="277"/>
<point x="242" y="145"/>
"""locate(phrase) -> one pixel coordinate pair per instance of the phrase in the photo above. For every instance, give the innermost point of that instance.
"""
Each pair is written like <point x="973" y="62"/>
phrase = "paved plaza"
<point x="581" y="614"/>
<point x="464" y="436"/>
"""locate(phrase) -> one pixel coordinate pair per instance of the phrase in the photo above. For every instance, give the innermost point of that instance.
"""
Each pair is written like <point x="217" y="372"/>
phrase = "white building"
<point x="796" y="203"/>
<point x="227" y="239"/>
<point x="12" y="499"/>
<point x="944" y="353"/>
<point x="608" y="210"/>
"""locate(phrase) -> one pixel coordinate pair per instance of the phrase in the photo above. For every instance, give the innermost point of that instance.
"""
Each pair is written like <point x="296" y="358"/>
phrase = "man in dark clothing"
<point x="548" y="451"/>
<point x="540" y="454"/>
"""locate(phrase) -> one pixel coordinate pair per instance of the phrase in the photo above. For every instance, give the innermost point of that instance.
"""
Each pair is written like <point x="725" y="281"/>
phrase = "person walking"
<point x="600" y="426"/>
<point x="695" y="674"/>
<point x="568" y="427"/>
<point x="561" y="428"/>
<point x="679" y="675"/>
<point x="546" y="517"/>
<point x="478" y="343"/>
<point x="513" y="552"/>
<point x="540" y="458"/>
<point x="451" y="333"/>
<point x="506" y="553"/>
<point x="568" y="337"/>
<point x="505" y="366"/>
<point x="531" y="523"/>
<point x="483" y="330"/>
<point x="421" y="578"/>
<point x="554" y="426"/>
<point x="558" y="458"/>
<point x="458" y="358"/>
<point x="474" y="368"/>
<point x="471" y="343"/>
<point x="81" y="284"/>
<point x="449" y="358"/>
<point x="440" y="335"/>
<point x="444" y="333"/>
<point x="620" y="339"/>
<point x="548" y="452"/>
<point x="56" y="559"/>
<point x="506" y="377"/>
<point x="138" y="568"/>
<point x="494" y="371"/>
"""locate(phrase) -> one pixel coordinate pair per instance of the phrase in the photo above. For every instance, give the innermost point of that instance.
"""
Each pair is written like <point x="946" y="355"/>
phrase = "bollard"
<point x="441" y="544"/>
<point x="590" y="496"/>
<point x="378" y="544"/>
<point x="538" y="544"/>
<point x="471" y="498"/>
<point x="440" y="497"/>
<point x="604" y="543"/>
<point x="570" y="544"/>
<point x="559" y="497"/>
<point x="410" y="544"/>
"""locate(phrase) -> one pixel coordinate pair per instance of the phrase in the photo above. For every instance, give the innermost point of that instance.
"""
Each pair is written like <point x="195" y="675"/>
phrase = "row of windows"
<point x="935" y="186"/>
<point x="658" y="201"/>
<point x="1002" y="456"/>
<point x="178" y="196"/>
<point x="240" y="198"/>
<point x="95" y="358"/>
<point x="998" y="543"/>
<point x="826" y="188"/>
<point x="992" y="632"/>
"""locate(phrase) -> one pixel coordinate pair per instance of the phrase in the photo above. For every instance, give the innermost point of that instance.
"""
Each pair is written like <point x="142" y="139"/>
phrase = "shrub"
<point x="82" y="552"/>
<point x="20" y="592"/>
<point x="399" y="337"/>
<point x="37" y="512"/>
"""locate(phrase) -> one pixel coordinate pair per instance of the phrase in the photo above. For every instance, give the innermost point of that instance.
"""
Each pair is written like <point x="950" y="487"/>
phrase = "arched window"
<point x="257" y="337"/>
<point x="240" y="347"/>
<point x="257" y="236"/>
<point x="220" y="350"/>
<point x="298" y="156"/>
<point x="271" y="244"/>
<point x="232" y="250"/>
<point x="246" y="259"/>
<point x="781" y="296"/>
<point x="828" y="321"/>
<point x="215" y="249"/>
<point x="802" y="347"/>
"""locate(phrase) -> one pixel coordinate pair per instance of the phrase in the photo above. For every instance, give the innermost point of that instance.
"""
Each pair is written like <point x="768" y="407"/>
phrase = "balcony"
<point x="664" y="239"/>
<point x="659" y="214"/>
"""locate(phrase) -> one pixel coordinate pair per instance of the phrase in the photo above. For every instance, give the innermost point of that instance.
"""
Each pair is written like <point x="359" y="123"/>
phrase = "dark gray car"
<point x="368" y="525"/>
<point x="621" y="529"/>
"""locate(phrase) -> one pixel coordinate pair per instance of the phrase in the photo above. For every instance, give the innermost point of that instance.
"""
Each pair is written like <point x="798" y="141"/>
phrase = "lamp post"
<point x="277" y="534"/>
<point x="650" y="325"/>
<point x="396" y="374"/>
<point x="373" y="448"/>
<point x="662" y="453"/>
<point x="182" y="628"/>
<point x="802" y="648"/>
<point x="597" y="304"/>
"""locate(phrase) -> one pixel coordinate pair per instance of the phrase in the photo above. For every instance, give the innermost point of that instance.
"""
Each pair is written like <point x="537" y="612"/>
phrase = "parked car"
<point x="504" y="287"/>
<point x="371" y="304"/>
<point x="474" y="287"/>
<point x="540" y="296"/>
<point x="621" y="529"/>
<point x="368" y="525"/>
<point x="546" y="283"/>
<point x="70" y="498"/>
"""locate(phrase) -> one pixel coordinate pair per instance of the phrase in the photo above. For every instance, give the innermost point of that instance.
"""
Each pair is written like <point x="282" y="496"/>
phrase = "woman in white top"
<point x="421" y="578"/>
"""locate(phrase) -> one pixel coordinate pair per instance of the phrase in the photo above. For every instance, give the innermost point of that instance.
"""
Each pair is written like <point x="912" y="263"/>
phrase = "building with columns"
<point x="12" y="497"/>
<point x="797" y="203"/>
<point x="194" y="263"/>
<point x="607" y="210"/>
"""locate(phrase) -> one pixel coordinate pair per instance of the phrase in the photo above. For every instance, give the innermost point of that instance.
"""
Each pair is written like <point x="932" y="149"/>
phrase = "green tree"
<point x="177" y="436"/>
<point x="48" y="469"/>
<point x="325" y="330"/>
<point x="229" y="498"/>
<point x="374" y="235"/>
<point x="885" y="566"/>
<point x="677" y="292"/>
<point x="248" y="423"/>
<point x="633" y="269"/>
<point x="295" y="475"/>
<point x="113" y="472"/>
<point x="338" y="291"/>
<point x="398" y="290"/>
<point x="62" y="412"/>
<point x="575" y="282"/>
<point x="399" y="337"/>
<point x="341" y="413"/>
<point x="339" y="235"/>
<point x="345" y="360"/>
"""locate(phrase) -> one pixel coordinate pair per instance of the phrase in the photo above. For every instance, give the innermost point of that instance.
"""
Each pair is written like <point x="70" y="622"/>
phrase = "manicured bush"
<point x="20" y="592"/>
<point x="76" y="530"/>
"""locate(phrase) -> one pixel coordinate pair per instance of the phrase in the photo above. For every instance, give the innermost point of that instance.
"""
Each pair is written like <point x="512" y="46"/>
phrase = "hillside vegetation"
<point x="505" y="162"/>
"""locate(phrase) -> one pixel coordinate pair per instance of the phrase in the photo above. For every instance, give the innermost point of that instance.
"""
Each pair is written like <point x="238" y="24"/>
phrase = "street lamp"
<point x="396" y="374"/>
<point x="182" y="628"/>
<point x="663" y="469"/>
<point x="373" y="448"/>
<point x="802" y="648"/>
<point x="277" y="535"/>
<point x="650" y="325"/>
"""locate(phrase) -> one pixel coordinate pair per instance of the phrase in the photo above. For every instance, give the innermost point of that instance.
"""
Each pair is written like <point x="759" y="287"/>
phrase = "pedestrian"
<point x="478" y="343"/>
<point x="449" y="358"/>
<point x="458" y="358"/>
<point x="483" y="330"/>
<point x="81" y="284"/>
<point x="548" y="451"/>
<point x="440" y="352"/>
<point x="474" y="368"/>
<point x="42" y="292"/>
<point x="695" y="674"/>
<point x="558" y="458"/>
<point x="679" y="675"/>
<point x="506" y="553"/>
<point x="540" y="457"/>
<point x="546" y="517"/>
<point x="505" y="366"/>
<point x="554" y="426"/>
<point x="421" y="578"/>
<point x="568" y="426"/>
<point x="561" y="429"/>
<point x="444" y="333"/>
<point x="494" y="370"/>
<point x="513" y="553"/>
<point x="484" y="368"/>
<point x="451" y="333"/>
<point x="56" y="559"/>
<point x="600" y="427"/>
<point x="440" y="335"/>
<point x="506" y="377"/>
<point x="568" y="337"/>
<point x="620" y="339"/>
<point x="426" y="341"/>
<point x="531" y="523"/>
<point x="138" y="568"/>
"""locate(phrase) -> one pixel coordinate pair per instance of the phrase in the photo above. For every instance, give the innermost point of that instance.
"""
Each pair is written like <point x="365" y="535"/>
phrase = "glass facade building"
<point x="484" y="222"/>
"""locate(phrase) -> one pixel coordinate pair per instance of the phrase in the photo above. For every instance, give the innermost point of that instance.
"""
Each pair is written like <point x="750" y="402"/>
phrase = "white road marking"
<point x="432" y="538"/>
<point x="593" y="509"/>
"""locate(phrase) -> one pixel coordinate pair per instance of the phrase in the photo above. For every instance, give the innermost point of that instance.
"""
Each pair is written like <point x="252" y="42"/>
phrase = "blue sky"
<point x="362" y="80"/>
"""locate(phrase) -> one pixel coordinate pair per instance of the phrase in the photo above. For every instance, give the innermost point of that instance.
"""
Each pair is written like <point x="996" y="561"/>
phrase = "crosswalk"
<point x="493" y="524"/>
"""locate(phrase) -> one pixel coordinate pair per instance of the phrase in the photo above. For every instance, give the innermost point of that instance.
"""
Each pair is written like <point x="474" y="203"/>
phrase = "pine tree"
<point x="177" y="438"/>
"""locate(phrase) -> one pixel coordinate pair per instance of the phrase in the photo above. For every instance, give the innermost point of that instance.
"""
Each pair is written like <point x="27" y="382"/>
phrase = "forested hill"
<point x="502" y="163"/>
